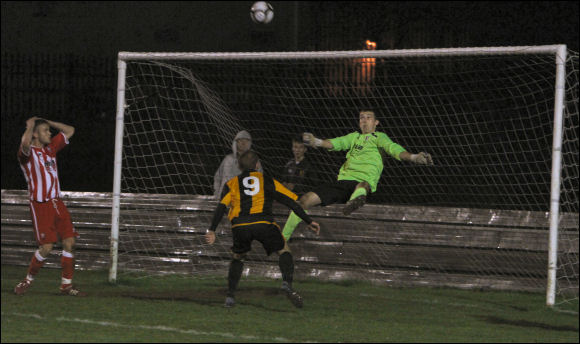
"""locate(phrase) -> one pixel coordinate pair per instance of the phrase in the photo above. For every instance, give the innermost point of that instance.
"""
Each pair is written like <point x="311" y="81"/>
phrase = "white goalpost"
<point x="500" y="122"/>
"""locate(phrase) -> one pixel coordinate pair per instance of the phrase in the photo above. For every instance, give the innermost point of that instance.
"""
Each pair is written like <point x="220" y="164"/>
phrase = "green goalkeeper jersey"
<point x="363" y="160"/>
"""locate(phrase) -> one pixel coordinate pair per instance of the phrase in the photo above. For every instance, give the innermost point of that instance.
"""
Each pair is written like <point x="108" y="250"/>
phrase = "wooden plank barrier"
<point x="387" y="244"/>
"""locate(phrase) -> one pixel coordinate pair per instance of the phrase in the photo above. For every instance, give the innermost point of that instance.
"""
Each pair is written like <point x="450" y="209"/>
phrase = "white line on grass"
<point x="154" y="328"/>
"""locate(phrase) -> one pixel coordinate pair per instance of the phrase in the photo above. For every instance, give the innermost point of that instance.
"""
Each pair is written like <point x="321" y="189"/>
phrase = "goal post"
<point x="115" y="210"/>
<point x="559" y="92"/>
<point x="500" y="122"/>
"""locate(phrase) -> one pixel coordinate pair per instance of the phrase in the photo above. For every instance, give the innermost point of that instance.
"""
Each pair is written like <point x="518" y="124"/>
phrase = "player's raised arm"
<point x="26" y="140"/>
<point x="312" y="141"/>
<point x="66" y="129"/>
<point x="421" y="158"/>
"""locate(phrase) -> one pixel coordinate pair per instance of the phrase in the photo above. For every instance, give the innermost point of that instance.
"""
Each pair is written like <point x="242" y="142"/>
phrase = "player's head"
<point x="368" y="121"/>
<point x="298" y="147"/>
<point x="248" y="160"/>
<point x="41" y="132"/>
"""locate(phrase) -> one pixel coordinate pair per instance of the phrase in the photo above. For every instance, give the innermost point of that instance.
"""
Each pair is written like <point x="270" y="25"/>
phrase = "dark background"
<point x="59" y="58"/>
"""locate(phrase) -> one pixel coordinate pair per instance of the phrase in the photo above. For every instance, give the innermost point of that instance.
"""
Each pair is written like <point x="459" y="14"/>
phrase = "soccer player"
<point x="249" y="197"/>
<point x="50" y="217"/>
<point x="360" y="174"/>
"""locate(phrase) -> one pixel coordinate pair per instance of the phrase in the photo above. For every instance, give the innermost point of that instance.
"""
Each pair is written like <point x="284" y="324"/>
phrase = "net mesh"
<point x="486" y="120"/>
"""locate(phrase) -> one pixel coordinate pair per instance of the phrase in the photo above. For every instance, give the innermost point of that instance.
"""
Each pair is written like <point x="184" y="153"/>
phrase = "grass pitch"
<point x="177" y="309"/>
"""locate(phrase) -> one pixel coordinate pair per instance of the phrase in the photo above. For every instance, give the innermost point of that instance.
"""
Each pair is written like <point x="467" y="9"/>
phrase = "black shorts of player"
<point x="336" y="192"/>
<point x="269" y="234"/>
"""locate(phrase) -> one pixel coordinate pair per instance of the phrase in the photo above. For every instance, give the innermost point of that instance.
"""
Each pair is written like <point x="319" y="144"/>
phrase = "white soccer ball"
<point x="262" y="12"/>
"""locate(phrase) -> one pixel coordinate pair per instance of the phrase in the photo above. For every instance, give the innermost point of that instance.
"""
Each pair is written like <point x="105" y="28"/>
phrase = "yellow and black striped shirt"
<point x="249" y="197"/>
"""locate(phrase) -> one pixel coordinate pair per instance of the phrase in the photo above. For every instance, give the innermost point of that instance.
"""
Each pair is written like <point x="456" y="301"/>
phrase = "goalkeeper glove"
<point x="422" y="158"/>
<point x="311" y="140"/>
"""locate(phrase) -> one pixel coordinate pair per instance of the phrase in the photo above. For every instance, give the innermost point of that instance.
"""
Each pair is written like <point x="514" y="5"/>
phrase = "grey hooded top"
<point x="229" y="166"/>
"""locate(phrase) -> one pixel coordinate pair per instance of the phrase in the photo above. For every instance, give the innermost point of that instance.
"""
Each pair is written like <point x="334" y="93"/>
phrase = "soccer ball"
<point x="262" y="12"/>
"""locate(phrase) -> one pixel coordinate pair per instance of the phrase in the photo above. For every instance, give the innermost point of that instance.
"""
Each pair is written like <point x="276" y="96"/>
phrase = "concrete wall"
<point x="389" y="245"/>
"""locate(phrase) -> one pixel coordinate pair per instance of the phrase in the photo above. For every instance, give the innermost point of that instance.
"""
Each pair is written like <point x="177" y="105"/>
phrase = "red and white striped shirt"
<point x="40" y="170"/>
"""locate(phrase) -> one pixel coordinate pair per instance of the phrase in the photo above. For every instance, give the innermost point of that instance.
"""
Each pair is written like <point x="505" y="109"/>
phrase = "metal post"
<point x="556" y="167"/>
<point x="122" y="68"/>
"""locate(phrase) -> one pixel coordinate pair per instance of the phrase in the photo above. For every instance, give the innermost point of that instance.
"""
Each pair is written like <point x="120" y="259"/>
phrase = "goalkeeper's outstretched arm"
<point x="421" y="158"/>
<point x="312" y="141"/>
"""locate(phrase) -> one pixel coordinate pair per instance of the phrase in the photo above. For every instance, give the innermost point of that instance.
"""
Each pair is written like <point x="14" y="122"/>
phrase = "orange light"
<point x="370" y="45"/>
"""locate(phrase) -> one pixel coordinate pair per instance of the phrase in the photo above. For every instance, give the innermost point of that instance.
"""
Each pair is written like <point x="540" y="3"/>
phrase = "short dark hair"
<point x="297" y="138"/>
<point x="39" y="122"/>
<point x="369" y="110"/>
<point x="248" y="160"/>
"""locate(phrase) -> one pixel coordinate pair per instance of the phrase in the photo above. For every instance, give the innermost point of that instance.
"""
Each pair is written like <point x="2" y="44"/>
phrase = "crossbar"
<point x="518" y="50"/>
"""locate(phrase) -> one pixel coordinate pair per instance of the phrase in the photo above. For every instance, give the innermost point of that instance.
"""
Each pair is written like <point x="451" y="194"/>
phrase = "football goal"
<point x="499" y="204"/>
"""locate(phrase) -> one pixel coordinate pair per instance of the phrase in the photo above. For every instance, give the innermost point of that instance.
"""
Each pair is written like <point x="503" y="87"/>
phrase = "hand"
<point x="422" y="158"/>
<point x="311" y="140"/>
<point x="30" y="122"/>
<point x="210" y="237"/>
<point x="308" y="139"/>
<point x="315" y="227"/>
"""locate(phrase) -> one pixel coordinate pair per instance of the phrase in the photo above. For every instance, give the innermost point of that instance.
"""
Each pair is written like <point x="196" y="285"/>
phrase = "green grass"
<point x="177" y="309"/>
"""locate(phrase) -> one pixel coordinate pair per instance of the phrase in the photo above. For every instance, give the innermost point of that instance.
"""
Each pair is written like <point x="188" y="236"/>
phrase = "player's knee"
<point x="284" y="250"/>
<point x="68" y="244"/>
<point x="302" y="200"/>
<point x="365" y="185"/>
<point x="45" y="249"/>
<point x="308" y="199"/>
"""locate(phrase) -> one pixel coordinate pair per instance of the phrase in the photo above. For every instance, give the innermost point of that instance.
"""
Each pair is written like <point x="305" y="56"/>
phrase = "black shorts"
<point x="269" y="234"/>
<point x="336" y="192"/>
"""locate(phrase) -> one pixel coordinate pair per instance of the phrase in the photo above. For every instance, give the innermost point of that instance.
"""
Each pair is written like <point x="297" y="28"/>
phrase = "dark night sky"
<point x="100" y="27"/>
<point x="98" y="30"/>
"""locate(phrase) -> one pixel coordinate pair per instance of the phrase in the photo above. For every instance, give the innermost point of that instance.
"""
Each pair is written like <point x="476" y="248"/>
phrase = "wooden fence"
<point x="392" y="245"/>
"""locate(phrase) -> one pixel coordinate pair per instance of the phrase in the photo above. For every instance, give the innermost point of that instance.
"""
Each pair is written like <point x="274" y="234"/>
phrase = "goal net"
<point x="479" y="217"/>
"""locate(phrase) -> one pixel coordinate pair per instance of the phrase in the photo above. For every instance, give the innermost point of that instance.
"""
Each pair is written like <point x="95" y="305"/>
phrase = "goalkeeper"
<point x="360" y="174"/>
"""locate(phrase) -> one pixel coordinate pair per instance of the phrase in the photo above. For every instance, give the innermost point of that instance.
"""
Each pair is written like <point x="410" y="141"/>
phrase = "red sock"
<point x="67" y="263"/>
<point x="36" y="263"/>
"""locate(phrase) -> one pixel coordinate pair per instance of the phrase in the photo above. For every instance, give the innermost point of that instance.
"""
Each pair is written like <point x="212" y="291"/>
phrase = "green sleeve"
<point x="390" y="147"/>
<point x="343" y="142"/>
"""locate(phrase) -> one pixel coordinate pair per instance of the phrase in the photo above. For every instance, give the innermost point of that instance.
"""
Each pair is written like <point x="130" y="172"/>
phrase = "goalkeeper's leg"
<point x="307" y="201"/>
<point x="357" y="199"/>
<point x="290" y="226"/>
